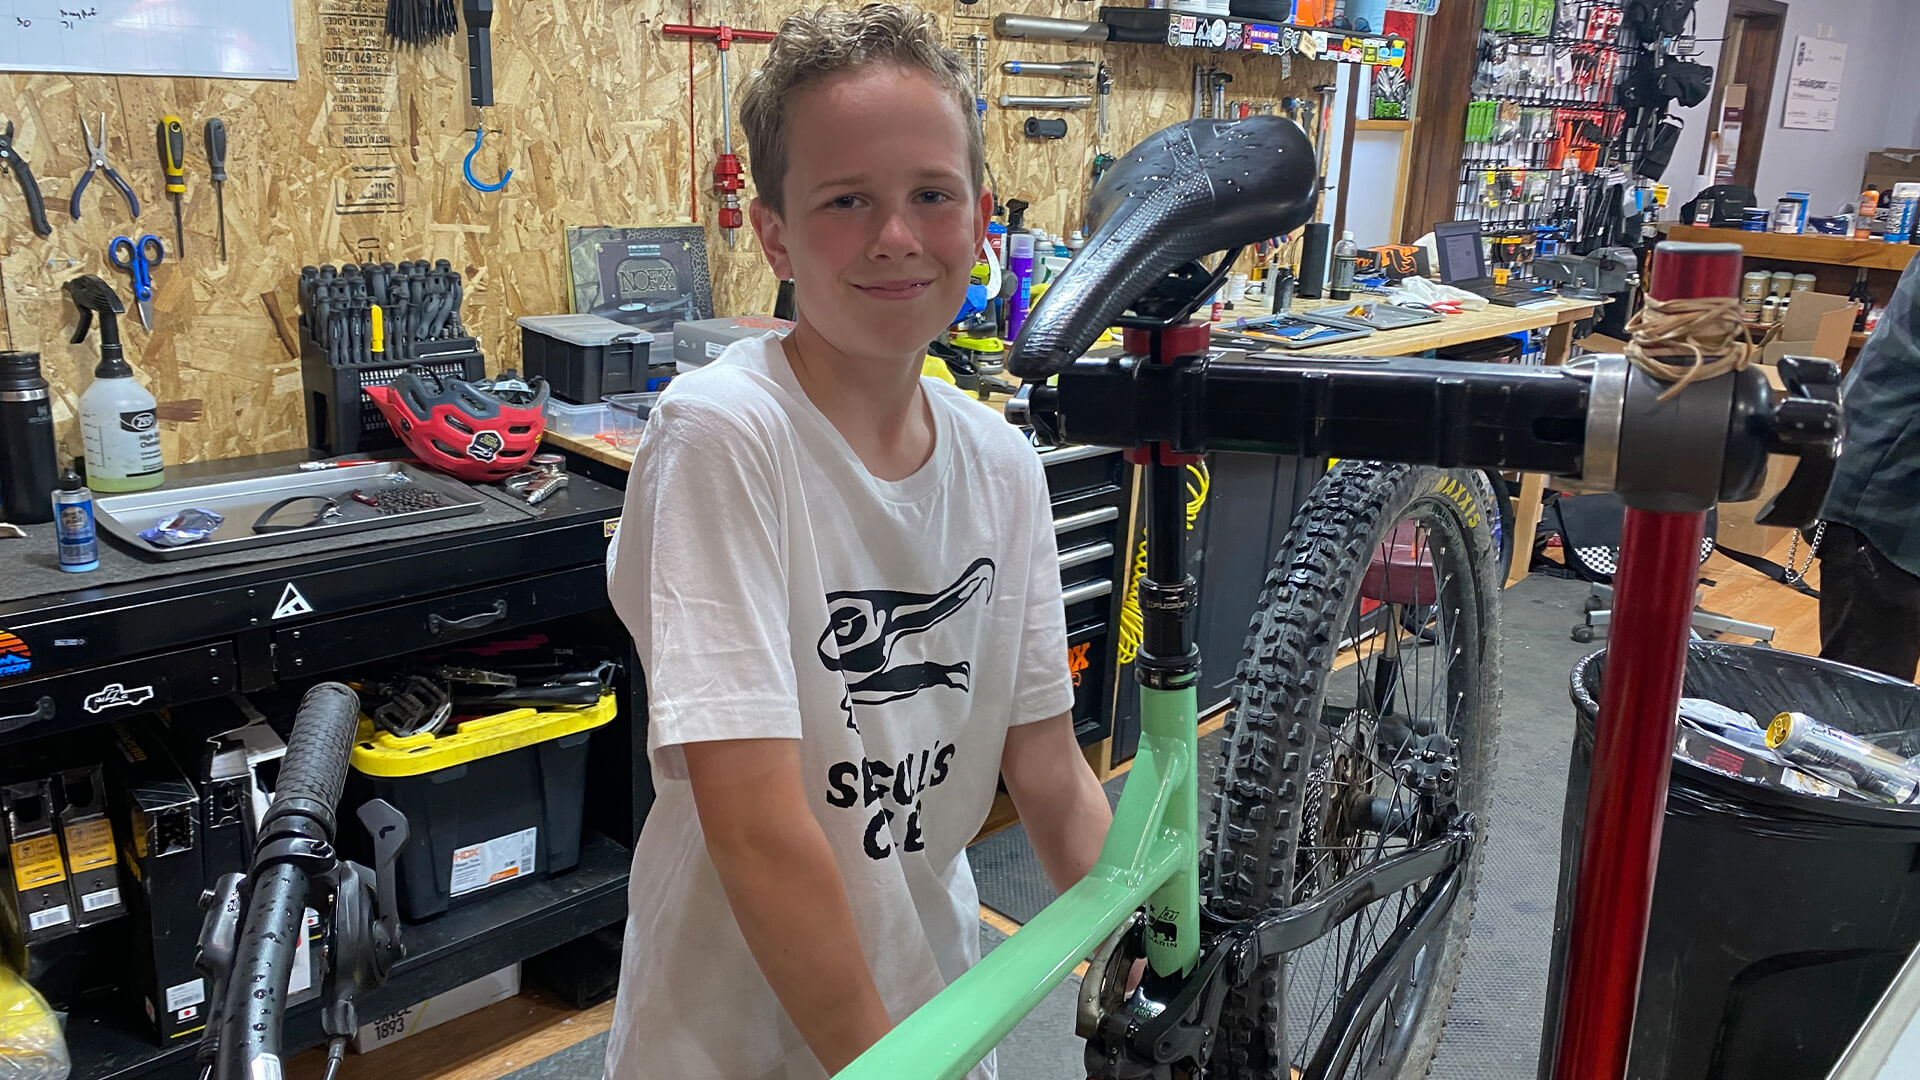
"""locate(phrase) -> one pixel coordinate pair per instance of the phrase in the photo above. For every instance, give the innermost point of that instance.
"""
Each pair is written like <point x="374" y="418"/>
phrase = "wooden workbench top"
<point x="1489" y="322"/>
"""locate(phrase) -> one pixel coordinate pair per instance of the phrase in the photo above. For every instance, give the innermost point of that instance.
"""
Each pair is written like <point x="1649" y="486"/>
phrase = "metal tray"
<point x="1377" y="315"/>
<point x="241" y="502"/>
<point x="1286" y="332"/>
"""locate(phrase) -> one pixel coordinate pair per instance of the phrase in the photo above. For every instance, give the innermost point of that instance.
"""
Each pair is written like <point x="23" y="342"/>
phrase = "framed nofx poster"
<point x="648" y="278"/>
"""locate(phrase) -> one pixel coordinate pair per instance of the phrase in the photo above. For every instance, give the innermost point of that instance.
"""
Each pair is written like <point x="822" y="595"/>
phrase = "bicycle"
<point x="1348" y="814"/>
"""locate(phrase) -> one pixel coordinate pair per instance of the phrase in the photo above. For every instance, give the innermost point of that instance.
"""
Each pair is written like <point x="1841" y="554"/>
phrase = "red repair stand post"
<point x="1633" y="749"/>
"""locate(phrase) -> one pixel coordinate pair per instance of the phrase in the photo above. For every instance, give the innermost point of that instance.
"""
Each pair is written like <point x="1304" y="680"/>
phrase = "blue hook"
<point x="467" y="166"/>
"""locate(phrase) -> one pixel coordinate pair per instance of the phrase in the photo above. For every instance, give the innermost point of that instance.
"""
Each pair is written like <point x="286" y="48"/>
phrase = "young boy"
<point x="842" y="582"/>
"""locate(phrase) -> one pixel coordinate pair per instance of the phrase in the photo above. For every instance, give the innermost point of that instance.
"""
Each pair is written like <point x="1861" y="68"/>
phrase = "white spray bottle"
<point x="117" y="415"/>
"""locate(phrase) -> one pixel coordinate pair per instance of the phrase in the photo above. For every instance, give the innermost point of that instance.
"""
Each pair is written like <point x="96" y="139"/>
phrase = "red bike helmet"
<point x="478" y="432"/>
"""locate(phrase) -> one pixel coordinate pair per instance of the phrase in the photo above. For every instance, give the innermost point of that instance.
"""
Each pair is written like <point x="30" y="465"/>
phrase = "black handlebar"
<point x="294" y="850"/>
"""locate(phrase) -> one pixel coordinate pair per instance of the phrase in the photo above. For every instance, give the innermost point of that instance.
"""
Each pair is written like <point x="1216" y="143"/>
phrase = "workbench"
<point x="171" y="634"/>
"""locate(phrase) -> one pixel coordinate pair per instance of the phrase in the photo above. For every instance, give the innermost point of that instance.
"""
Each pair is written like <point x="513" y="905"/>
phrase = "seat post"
<point x="1169" y="659"/>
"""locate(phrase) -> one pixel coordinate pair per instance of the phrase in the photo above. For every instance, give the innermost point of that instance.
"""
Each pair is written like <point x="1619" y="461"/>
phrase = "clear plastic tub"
<point x="627" y="418"/>
<point x="578" y="421"/>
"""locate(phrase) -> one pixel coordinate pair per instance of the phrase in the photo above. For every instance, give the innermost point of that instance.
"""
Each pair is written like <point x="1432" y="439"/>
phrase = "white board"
<point x="1813" y="84"/>
<point x="217" y="39"/>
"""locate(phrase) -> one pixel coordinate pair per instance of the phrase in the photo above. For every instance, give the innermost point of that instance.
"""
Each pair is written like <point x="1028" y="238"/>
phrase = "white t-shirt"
<point x="776" y="589"/>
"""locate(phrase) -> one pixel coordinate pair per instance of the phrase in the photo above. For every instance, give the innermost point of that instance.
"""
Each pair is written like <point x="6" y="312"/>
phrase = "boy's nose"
<point x="896" y="238"/>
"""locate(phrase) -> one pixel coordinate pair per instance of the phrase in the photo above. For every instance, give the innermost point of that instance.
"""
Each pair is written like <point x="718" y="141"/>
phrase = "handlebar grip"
<point x="314" y="772"/>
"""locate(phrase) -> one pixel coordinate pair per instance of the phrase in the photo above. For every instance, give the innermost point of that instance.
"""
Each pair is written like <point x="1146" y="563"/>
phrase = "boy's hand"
<point x="781" y="880"/>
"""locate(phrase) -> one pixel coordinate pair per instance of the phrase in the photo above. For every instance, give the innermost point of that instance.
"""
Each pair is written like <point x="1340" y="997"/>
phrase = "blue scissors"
<point x="139" y="259"/>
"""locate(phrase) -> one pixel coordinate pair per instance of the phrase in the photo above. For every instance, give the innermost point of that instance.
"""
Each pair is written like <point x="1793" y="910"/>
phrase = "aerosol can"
<point x="118" y="425"/>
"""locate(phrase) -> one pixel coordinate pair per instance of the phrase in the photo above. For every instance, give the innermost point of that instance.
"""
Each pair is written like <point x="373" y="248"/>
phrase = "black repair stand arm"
<point x="479" y="15"/>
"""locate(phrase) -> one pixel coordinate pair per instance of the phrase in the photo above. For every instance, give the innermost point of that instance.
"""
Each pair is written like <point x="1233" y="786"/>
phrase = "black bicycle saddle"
<point x="1189" y="190"/>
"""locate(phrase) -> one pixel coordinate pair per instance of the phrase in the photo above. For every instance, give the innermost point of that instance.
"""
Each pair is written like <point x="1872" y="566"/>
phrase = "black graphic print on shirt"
<point x="863" y="629"/>
<point x="864" y="626"/>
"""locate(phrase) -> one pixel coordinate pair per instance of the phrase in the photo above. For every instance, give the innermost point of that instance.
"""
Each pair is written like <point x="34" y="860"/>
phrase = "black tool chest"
<point x="122" y="651"/>
<point x="1090" y="489"/>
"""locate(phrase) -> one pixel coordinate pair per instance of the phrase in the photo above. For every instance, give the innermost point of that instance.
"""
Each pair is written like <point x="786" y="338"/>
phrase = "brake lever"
<point x="213" y="957"/>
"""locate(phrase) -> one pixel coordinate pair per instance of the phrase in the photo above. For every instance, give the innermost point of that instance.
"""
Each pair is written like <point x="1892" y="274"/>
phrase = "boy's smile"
<point x="881" y="225"/>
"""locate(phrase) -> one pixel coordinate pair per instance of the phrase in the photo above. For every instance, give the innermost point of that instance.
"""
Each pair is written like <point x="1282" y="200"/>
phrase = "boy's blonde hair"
<point x="815" y="44"/>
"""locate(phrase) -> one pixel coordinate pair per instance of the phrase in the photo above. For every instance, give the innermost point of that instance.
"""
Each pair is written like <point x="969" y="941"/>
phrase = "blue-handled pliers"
<point x="99" y="152"/>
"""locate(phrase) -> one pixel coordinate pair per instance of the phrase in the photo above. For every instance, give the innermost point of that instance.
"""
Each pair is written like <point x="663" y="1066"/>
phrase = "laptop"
<point x="1463" y="265"/>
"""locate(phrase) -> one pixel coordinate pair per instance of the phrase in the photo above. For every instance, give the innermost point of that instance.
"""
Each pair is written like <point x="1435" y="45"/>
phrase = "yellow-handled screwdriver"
<point x="173" y="158"/>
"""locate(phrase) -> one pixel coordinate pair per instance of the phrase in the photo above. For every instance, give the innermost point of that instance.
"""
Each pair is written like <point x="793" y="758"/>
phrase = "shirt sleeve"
<point x="1043" y="686"/>
<point x="700" y="579"/>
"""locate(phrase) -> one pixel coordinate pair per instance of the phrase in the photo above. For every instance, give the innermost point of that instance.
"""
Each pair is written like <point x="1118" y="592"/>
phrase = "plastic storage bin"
<point x="627" y="418"/>
<point x="578" y="421"/>
<point x="584" y="357"/>
<point x="497" y="802"/>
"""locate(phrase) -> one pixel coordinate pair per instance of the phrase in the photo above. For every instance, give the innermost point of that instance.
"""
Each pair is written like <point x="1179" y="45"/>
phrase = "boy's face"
<point x="882" y="225"/>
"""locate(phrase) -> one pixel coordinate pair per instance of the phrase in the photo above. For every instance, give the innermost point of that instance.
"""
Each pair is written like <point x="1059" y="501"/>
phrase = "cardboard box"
<point x="1817" y="324"/>
<point x="1736" y="528"/>
<point x="437" y="1010"/>
<point x="1891" y="166"/>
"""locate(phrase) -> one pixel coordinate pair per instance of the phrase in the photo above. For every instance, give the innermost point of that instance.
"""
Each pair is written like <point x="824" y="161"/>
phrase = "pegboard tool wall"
<point x="360" y="159"/>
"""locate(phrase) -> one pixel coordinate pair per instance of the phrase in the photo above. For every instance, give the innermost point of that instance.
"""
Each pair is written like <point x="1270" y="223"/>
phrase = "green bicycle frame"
<point x="1151" y="856"/>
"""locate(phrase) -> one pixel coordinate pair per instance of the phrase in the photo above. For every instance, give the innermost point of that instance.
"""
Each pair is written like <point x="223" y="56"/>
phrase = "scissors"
<point x="139" y="259"/>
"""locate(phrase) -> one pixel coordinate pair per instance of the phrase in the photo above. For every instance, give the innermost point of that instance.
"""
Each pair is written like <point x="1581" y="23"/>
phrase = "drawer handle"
<point x="1084" y="554"/>
<point x="1087" y="591"/>
<point x="1085" y="518"/>
<point x="438" y="624"/>
<point x="42" y="710"/>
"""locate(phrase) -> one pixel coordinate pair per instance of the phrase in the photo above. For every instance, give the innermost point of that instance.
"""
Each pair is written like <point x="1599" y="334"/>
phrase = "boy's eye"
<point x="844" y="202"/>
<point x="934" y="197"/>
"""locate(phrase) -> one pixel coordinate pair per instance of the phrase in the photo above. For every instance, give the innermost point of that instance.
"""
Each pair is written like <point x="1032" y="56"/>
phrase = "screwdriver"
<point x="173" y="158"/>
<point x="217" y="167"/>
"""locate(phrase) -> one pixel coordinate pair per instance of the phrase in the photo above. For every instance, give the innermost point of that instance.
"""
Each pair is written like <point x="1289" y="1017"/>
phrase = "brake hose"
<point x="296" y="842"/>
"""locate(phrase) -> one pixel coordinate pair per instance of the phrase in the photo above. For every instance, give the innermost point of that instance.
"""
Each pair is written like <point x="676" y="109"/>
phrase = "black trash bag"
<point x="1778" y="918"/>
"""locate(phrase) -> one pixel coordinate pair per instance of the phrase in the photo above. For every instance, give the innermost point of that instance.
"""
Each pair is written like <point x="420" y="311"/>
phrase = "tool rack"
<point x="195" y="636"/>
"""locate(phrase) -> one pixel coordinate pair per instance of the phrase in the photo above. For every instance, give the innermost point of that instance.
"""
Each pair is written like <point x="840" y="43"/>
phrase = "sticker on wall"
<point x="1217" y="33"/>
<point x="1262" y="37"/>
<point x="15" y="657"/>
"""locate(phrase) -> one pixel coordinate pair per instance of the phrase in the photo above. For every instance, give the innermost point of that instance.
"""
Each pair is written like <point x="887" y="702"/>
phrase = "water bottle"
<point x="28" y="460"/>
<point x="1345" y="253"/>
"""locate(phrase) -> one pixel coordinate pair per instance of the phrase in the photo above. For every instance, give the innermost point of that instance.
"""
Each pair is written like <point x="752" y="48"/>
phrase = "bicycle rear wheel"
<point x="1363" y="722"/>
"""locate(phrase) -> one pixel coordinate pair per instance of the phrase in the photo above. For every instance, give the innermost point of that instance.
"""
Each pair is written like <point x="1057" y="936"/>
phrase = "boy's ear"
<point x="982" y="219"/>
<point x="772" y="233"/>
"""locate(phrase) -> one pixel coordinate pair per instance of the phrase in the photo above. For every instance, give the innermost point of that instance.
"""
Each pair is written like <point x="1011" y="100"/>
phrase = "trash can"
<point x="1779" y="918"/>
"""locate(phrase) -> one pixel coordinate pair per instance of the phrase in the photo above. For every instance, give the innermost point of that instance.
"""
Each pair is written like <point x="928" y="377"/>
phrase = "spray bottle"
<point x="117" y="420"/>
<point x="1019" y="266"/>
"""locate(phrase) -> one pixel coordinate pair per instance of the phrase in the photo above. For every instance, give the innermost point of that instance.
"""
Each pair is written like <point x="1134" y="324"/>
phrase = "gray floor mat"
<point x="1493" y="1028"/>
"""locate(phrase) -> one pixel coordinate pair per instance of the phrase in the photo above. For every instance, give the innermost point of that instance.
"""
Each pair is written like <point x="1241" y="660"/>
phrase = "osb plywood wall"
<point x="360" y="159"/>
